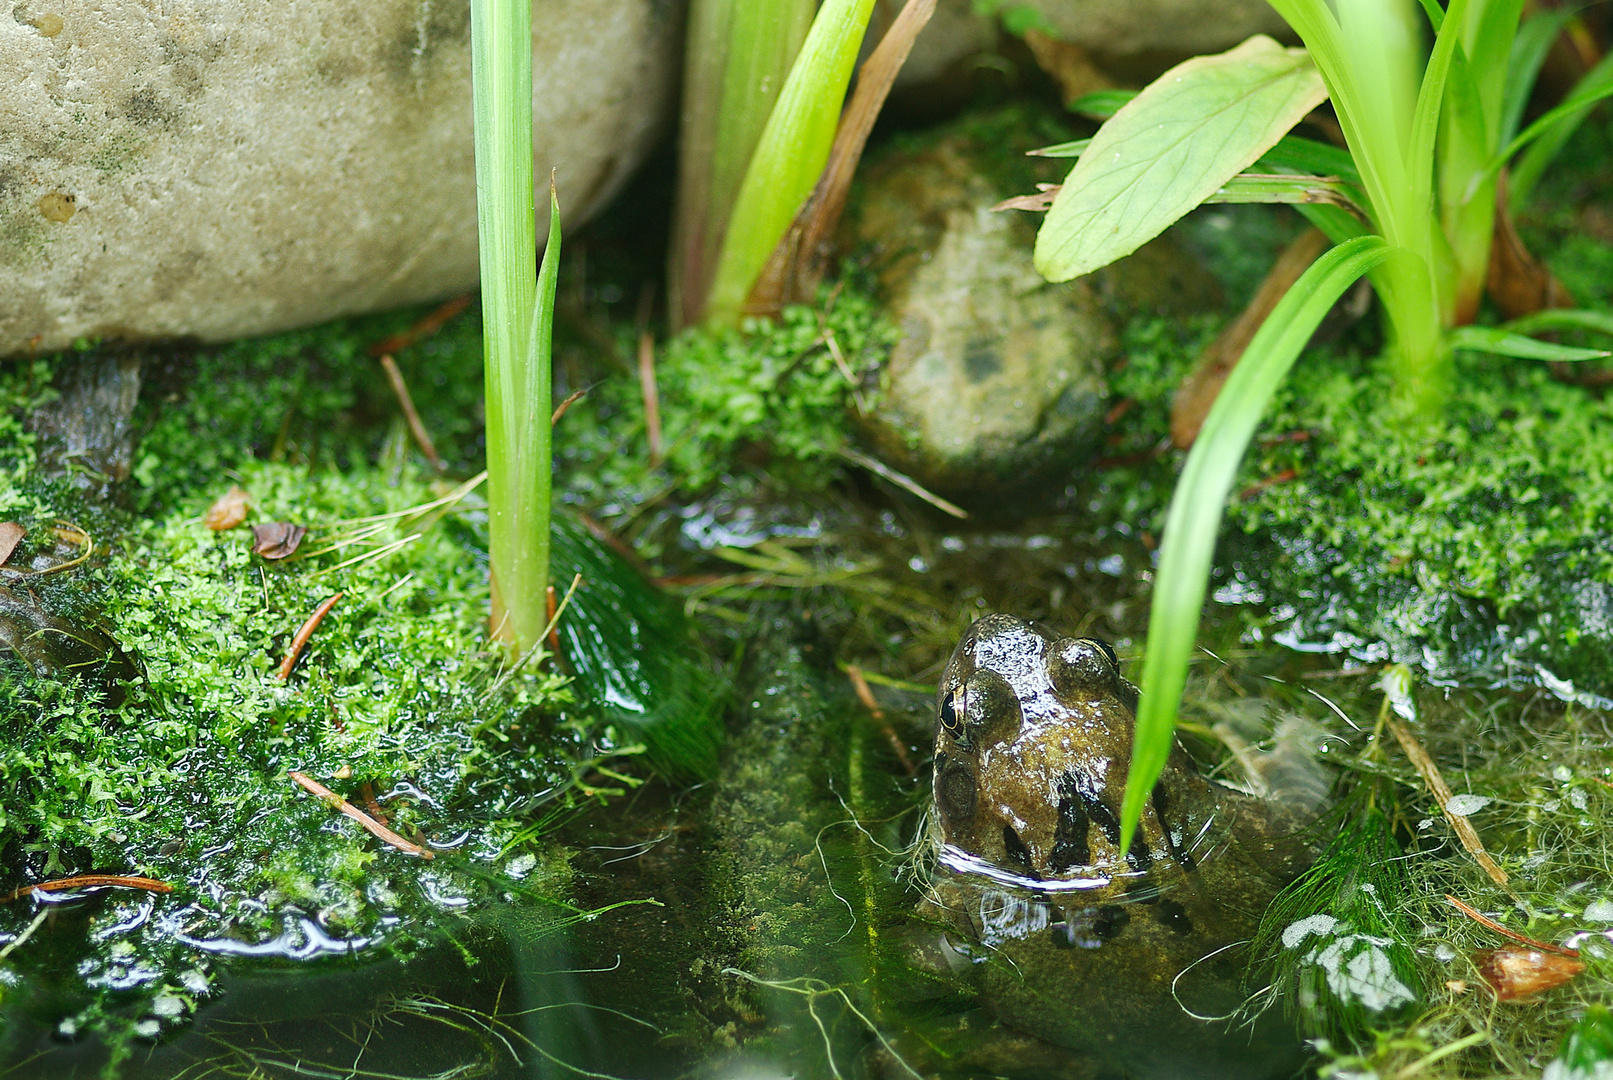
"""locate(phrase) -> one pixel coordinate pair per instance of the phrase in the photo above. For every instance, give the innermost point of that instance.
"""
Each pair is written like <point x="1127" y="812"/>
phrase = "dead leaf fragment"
<point x="228" y="510"/>
<point x="11" y="535"/>
<point x="277" y="539"/>
<point x="1515" y="971"/>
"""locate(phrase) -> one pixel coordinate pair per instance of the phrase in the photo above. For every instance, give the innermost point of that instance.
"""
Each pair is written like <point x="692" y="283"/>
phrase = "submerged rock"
<point x="998" y="384"/>
<point x="216" y="170"/>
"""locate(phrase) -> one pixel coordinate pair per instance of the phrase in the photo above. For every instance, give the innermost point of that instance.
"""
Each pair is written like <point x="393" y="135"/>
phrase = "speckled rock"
<point x="1139" y="37"/>
<point x="997" y="386"/>
<point x="207" y="169"/>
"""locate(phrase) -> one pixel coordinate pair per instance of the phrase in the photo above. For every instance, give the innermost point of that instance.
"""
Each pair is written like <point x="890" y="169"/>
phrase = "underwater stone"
<point x="214" y="170"/>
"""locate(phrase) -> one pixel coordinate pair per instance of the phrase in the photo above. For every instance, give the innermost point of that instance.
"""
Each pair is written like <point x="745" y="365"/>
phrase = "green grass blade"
<point x="1499" y="342"/>
<point x="1562" y="319"/>
<point x="1430" y="107"/>
<point x="790" y="155"/>
<point x="738" y="55"/>
<point x="1284" y="188"/>
<point x="1552" y="131"/>
<point x="1336" y="223"/>
<point x="1195" y="512"/>
<point x="1171" y="148"/>
<point x="1073" y="149"/>
<point x="1101" y="104"/>
<point x="1295" y="153"/>
<point x="1529" y="48"/>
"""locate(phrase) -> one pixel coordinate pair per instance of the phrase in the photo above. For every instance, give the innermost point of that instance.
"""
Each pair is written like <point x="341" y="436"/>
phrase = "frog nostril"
<point x="1081" y="666"/>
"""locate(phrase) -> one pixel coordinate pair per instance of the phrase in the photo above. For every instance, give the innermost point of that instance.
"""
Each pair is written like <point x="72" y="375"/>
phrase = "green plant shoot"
<point x="738" y="56"/>
<point x="517" y="316"/>
<point x="1428" y="132"/>
<point x="790" y="155"/>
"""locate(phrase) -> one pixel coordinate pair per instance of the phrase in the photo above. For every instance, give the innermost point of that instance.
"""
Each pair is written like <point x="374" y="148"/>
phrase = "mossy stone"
<point x="997" y="388"/>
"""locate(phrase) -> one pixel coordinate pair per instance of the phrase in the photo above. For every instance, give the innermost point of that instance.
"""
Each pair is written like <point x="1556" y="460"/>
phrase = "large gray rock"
<point x="214" y="169"/>
<point x="1139" y="37"/>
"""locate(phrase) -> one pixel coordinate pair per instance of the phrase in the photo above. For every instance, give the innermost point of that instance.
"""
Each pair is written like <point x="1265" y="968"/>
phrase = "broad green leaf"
<point x="1493" y="339"/>
<point x="1201" y="494"/>
<point x="1172" y="147"/>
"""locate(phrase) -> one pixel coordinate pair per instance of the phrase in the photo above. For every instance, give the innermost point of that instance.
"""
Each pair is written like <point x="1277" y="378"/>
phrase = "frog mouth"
<point x="960" y="861"/>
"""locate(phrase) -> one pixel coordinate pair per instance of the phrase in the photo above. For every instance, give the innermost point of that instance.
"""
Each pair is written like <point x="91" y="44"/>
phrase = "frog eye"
<point x="991" y="711"/>
<point x="1081" y="666"/>
<point x="949" y="713"/>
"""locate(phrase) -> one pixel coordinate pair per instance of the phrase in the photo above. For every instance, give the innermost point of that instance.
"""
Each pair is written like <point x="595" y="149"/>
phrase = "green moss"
<point x="769" y="391"/>
<point x="1477" y="549"/>
<point x="181" y="774"/>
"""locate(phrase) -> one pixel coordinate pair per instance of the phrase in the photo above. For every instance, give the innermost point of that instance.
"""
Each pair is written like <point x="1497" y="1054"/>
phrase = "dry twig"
<point x="797" y="264"/>
<point x="417" y="427"/>
<point x="373" y="827"/>
<point x="1489" y="923"/>
<point x="560" y="410"/>
<point x="303" y="635"/>
<point x="422" y="329"/>
<point x="1442" y="795"/>
<point x="866" y="696"/>
<point x="90" y="881"/>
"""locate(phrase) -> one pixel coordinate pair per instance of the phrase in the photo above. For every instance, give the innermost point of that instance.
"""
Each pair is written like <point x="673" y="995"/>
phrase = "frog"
<point x="1128" y="961"/>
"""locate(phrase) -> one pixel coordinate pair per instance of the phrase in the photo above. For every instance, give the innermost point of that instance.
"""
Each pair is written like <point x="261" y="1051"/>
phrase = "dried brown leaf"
<point x="277" y="539"/>
<point x="11" y="535"/>
<point x="1515" y="971"/>
<point x="1040" y="202"/>
<point x="228" y="510"/>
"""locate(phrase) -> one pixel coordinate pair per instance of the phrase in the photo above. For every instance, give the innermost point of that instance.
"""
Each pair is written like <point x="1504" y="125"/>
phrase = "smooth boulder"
<point x="210" y="170"/>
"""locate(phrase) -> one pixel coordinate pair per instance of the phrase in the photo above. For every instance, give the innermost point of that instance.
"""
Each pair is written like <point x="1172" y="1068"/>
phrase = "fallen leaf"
<point x="10" y="536"/>
<point x="277" y="539"/>
<point x="1515" y="972"/>
<point x="228" y="510"/>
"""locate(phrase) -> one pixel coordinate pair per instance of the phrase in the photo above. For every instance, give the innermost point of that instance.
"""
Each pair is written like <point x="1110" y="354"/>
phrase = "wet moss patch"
<point x="180" y="774"/>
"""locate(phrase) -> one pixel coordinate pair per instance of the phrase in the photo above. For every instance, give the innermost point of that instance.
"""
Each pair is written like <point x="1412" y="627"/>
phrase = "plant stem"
<point x="517" y="370"/>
